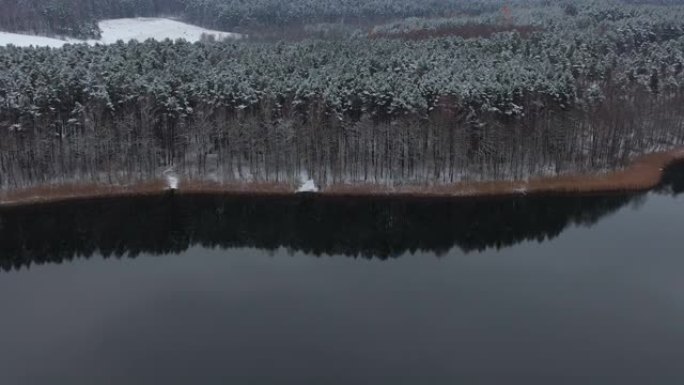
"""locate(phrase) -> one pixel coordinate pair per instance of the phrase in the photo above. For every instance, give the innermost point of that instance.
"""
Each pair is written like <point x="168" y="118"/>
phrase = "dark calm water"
<point x="218" y="290"/>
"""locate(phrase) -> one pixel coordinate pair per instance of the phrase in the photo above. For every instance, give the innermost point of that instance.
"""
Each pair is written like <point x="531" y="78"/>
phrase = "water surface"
<point x="220" y="290"/>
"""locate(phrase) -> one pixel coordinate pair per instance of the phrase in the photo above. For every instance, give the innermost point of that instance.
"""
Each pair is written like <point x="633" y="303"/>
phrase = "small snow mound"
<point x="308" y="187"/>
<point x="521" y="190"/>
<point x="172" y="180"/>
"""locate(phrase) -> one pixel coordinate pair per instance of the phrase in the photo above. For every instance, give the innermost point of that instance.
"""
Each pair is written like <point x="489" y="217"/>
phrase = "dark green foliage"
<point x="570" y="9"/>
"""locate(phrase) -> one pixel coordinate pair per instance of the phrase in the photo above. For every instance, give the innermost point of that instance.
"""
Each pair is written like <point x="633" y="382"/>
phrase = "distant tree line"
<point x="79" y="18"/>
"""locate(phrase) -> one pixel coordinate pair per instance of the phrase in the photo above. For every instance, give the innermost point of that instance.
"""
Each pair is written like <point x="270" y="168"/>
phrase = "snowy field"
<point x="139" y="29"/>
<point x="29" y="40"/>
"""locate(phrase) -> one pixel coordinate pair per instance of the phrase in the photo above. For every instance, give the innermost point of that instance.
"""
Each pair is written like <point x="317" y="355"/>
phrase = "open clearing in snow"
<point x="20" y="40"/>
<point x="140" y="29"/>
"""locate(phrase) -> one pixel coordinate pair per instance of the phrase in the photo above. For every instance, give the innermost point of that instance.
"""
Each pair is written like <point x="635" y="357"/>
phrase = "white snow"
<point x="140" y="29"/>
<point x="20" y="40"/>
<point x="520" y="190"/>
<point x="308" y="186"/>
<point x="172" y="180"/>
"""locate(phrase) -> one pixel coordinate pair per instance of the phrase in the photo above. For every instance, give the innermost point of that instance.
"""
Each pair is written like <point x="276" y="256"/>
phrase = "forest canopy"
<point x="431" y="91"/>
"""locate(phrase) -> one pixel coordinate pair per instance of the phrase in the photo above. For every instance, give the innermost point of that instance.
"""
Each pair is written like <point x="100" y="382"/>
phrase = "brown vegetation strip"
<point x="643" y="174"/>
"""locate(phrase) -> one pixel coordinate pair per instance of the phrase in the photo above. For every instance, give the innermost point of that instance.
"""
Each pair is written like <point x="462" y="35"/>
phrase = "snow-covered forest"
<point x="398" y="92"/>
<point x="79" y="18"/>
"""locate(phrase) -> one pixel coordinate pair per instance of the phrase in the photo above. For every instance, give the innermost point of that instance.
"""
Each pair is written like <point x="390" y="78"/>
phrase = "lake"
<point x="310" y="290"/>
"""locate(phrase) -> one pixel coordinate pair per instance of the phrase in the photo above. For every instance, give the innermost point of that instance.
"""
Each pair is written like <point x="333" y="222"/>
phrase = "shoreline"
<point x="642" y="174"/>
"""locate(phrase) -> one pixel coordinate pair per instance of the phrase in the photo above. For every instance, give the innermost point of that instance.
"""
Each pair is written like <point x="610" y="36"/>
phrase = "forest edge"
<point x="644" y="173"/>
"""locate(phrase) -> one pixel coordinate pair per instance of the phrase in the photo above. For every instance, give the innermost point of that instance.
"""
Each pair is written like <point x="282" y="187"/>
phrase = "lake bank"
<point x="644" y="173"/>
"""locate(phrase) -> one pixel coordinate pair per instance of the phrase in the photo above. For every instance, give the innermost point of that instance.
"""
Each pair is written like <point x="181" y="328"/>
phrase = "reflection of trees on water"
<point x="371" y="227"/>
<point x="366" y="227"/>
<point x="673" y="179"/>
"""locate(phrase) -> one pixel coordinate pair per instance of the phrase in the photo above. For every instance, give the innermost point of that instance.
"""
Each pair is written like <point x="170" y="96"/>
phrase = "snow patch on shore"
<point x="172" y="182"/>
<point x="520" y="190"/>
<point x="113" y="30"/>
<point x="172" y="179"/>
<point x="308" y="186"/>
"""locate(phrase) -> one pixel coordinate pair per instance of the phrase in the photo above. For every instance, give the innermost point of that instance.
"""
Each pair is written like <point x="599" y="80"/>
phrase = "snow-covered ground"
<point x="141" y="29"/>
<point x="113" y="30"/>
<point x="28" y="40"/>
<point x="308" y="186"/>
